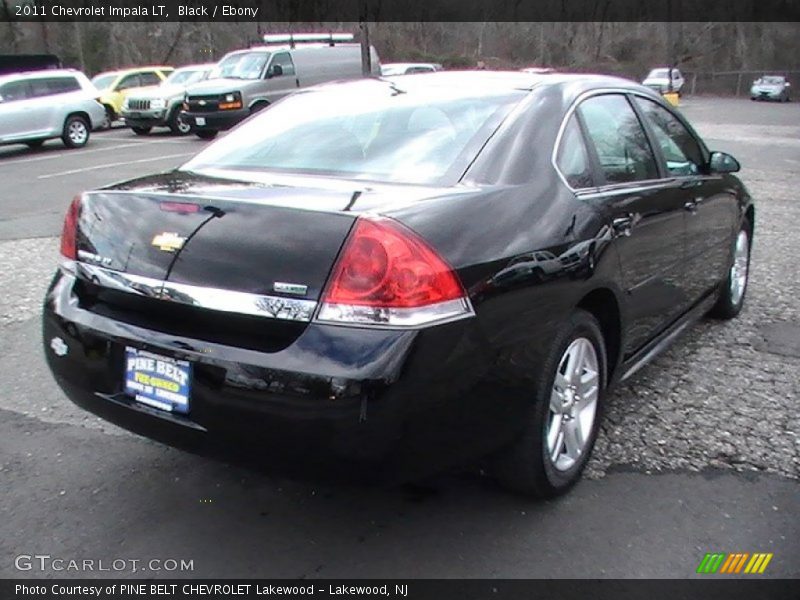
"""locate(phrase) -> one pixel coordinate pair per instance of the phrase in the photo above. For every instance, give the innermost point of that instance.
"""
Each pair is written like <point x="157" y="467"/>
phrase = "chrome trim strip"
<point x="572" y="108"/>
<point x="275" y="307"/>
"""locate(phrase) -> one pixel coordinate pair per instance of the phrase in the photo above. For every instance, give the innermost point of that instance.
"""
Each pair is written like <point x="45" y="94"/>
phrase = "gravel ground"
<point x="716" y="399"/>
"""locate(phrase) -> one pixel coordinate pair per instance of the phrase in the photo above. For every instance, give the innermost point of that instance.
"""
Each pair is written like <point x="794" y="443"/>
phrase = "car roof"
<point x="486" y="82"/>
<point x="128" y="70"/>
<point x="38" y="73"/>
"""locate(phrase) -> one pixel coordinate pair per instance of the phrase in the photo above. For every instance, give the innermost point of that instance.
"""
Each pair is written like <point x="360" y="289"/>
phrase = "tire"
<point x="76" y="132"/>
<point x="141" y="130"/>
<point x="528" y="467"/>
<point x="109" y="118"/>
<point x="734" y="288"/>
<point x="206" y="134"/>
<point x="178" y="125"/>
<point x="33" y="144"/>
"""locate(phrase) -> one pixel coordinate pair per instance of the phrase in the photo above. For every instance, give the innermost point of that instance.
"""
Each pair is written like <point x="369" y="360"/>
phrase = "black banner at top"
<point x="265" y="11"/>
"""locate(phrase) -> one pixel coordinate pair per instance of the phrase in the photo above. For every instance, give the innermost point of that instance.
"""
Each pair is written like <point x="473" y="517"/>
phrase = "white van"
<point x="245" y="81"/>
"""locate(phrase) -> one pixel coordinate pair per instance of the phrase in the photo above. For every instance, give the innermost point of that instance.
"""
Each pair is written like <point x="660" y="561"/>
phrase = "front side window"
<point x="284" y="61"/>
<point x="572" y="160"/>
<point x="243" y="65"/>
<point x="619" y="140"/>
<point x="374" y="133"/>
<point x="128" y="82"/>
<point x="149" y="78"/>
<point x="681" y="151"/>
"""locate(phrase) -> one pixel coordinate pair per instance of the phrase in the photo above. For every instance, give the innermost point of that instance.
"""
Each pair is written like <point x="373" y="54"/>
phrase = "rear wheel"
<point x="141" y="130"/>
<point x="206" y="134"/>
<point x="564" y="417"/>
<point x="76" y="132"/>
<point x="733" y="289"/>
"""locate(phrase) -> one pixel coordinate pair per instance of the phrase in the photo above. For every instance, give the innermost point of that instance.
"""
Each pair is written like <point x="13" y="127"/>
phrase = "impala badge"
<point x="168" y="242"/>
<point x="297" y="289"/>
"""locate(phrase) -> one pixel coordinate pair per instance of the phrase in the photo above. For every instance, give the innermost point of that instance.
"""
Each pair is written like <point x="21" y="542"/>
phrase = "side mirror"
<point x="275" y="71"/>
<point x="720" y="162"/>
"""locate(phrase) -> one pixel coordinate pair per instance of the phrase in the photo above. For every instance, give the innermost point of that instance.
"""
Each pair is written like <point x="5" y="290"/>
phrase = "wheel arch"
<point x="602" y="303"/>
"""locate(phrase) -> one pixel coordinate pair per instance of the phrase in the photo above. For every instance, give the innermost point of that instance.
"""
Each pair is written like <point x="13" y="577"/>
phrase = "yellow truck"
<point x="115" y="86"/>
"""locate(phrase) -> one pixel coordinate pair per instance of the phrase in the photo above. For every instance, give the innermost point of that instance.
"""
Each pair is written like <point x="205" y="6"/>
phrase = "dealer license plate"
<point x="200" y="121"/>
<point x="158" y="381"/>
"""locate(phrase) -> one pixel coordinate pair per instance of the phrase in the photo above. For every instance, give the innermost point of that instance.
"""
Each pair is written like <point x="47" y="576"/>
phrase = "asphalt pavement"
<point x="699" y="453"/>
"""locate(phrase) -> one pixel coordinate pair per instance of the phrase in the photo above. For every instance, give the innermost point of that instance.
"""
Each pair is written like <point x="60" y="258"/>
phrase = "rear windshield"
<point x="104" y="81"/>
<point x="243" y="65"/>
<point x="383" y="134"/>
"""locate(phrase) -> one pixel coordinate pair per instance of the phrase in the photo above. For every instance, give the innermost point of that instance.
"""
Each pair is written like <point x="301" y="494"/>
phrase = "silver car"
<point x="162" y="106"/>
<point x="40" y="105"/>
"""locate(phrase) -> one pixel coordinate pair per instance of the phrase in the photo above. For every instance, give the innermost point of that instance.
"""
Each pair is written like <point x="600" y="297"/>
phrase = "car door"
<point x="123" y="88"/>
<point x="711" y="210"/>
<point x="647" y="220"/>
<point x="45" y="107"/>
<point x="16" y="122"/>
<point x="282" y="77"/>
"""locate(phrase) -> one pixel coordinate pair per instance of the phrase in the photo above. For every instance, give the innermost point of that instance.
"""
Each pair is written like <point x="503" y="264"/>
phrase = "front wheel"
<point x="177" y="124"/>
<point x="733" y="289"/>
<point x="206" y="134"/>
<point x="76" y="132"/>
<point x="563" y="420"/>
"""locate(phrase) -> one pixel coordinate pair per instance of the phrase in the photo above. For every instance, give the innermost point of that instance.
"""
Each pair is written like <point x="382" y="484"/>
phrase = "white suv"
<point x="40" y="105"/>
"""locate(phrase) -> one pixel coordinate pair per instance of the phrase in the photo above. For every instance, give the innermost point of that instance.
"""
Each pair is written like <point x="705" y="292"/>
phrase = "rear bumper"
<point x="374" y="404"/>
<point x="217" y="120"/>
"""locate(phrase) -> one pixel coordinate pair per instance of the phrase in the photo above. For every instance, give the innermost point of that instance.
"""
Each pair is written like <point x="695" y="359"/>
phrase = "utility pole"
<point x="670" y="45"/>
<point x="366" y="56"/>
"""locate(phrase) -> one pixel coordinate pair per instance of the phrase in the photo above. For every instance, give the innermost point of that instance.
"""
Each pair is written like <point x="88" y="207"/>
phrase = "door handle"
<point x="622" y="225"/>
<point x="691" y="205"/>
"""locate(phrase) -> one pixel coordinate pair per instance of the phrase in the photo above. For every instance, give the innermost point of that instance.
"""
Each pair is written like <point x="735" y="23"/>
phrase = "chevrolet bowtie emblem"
<point x="168" y="242"/>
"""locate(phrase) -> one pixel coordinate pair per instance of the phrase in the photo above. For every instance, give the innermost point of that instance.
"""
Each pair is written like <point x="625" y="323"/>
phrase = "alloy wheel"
<point x="77" y="132"/>
<point x="573" y="404"/>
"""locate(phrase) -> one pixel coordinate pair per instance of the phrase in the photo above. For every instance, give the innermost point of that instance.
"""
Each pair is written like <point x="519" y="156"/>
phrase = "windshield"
<point x="658" y="74"/>
<point x="374" y="134"/>
<point x="243" y="65"/>
<point x="772" y="80"/>
<point x="104" y="80"/>
<point x="184" y="77"/>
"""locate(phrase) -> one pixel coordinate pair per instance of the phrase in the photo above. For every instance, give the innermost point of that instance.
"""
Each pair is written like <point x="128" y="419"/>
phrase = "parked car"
<point x="389" y="69"/>
<point x="42" y="105"/>
<point x="115" y="86"/>
<point x="162" y="106"/>
<point x="303" y="291"/>
<point x="658" y="79"/>
<point x="771" y="87"/>
<point x="246" y="81"/>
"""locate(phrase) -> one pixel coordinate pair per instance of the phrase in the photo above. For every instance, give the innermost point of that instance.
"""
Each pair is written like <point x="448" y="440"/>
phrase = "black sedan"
<point x="390" y="277"/>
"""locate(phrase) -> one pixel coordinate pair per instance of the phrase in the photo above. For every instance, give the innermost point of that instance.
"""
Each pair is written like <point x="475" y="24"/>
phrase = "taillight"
<point x="184" y="208"/>
<point x="69" y="233"/>
<point x="388" y="275"/>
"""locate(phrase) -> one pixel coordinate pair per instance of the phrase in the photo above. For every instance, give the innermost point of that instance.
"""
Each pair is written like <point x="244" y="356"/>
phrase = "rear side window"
<point x="621" y="144"/>
<point x="53" y="85"/>
<point x="572" y="159"/>
<point x="15" y="90"/>
<point x="681" y="151"/>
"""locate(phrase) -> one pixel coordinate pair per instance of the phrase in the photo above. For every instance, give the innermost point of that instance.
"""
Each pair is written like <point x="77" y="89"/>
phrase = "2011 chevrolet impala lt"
<point x="398" y="275"/>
